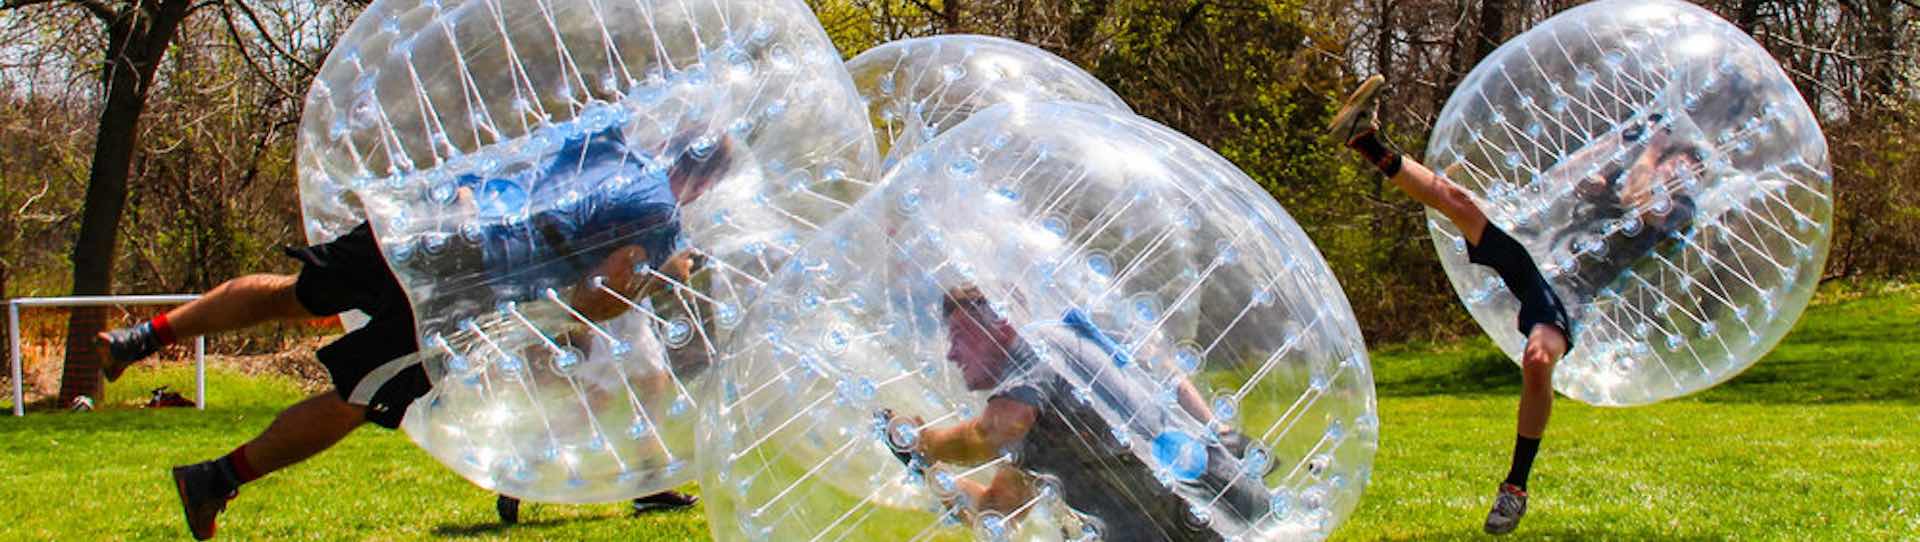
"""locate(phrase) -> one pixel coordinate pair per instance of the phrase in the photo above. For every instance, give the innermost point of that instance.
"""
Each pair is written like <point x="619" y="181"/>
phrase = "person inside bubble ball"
<point x="1618" y="199"/>
<point x="1049" y="384"/>
<point x="630" y="221"/>
<point x="1623" y="209"/>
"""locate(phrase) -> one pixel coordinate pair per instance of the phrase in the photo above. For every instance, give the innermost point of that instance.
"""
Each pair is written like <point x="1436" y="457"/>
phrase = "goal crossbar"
<point x="13" y="336"/>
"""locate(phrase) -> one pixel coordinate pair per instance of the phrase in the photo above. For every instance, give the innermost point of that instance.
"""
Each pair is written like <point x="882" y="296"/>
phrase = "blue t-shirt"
<point x="595" y="197"/>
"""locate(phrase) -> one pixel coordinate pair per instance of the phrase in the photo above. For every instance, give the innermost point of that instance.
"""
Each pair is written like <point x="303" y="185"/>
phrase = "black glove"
<point x="884" y="419"/>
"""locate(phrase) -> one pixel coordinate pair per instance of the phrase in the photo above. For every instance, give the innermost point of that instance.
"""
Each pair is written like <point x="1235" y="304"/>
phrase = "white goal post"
<point x="13" y="336"/>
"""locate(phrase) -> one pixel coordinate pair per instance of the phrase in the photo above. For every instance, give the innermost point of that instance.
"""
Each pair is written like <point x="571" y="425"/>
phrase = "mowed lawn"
<point x="1819" y="441"/>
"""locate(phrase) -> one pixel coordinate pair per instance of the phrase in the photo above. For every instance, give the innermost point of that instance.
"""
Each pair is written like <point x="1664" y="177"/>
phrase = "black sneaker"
<point x="509" y="509"/>
<point x="662" y="501"/>
<point x="126" y="346"/>
<point x="1357" y="115"/>
<point x="204" y="491"/>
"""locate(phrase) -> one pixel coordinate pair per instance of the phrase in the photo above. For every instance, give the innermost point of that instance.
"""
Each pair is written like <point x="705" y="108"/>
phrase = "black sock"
<point x="1523" y="451"/>
<point x="1377" y="152"/>
<point x="229" y="476"/>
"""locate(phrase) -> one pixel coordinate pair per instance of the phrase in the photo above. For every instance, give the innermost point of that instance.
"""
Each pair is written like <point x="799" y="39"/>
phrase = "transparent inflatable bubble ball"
<point x="1667" y="177"/>
<point x="579" y="198"/>
<point x="1052" y="321"/>
<point x="917" y="88"/>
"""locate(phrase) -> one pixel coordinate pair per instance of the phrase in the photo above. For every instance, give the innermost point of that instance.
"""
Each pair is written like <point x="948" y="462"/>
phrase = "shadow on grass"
<point x="493" y="528"/>
<point x="1559" y="533"/>
<point x="1480" y="370"/>
<point x="124" y="420"/>
<point x="1854" y="351"/>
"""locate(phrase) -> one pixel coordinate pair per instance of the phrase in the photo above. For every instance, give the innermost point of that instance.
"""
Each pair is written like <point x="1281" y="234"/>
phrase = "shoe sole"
<point x="186" y="509"/>
<point x="113" y="373"/>
<point x="649" y="508"/>
<point x="1353" y="106"/>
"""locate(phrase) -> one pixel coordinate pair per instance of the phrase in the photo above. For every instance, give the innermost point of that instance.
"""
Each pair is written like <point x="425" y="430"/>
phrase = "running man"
<point x="631" y="219"/>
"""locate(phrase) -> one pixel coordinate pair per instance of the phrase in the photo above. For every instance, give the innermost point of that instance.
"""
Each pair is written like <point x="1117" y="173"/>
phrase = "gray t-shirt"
<point x="1100" y="414"/>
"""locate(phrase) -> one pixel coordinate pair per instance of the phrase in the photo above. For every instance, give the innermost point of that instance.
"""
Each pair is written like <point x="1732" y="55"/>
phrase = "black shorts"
<point x="371" y="366"/>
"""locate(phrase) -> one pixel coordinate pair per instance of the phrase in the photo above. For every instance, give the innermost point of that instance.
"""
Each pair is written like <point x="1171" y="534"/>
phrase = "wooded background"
<point x="146" y="146"/>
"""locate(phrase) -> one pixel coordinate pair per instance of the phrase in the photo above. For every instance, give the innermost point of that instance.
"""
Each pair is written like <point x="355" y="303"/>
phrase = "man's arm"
<point x="670" y="303"/>
<point x="614" y="273"/>
<point x="1638" y="188"/>
<point x="1191" y="401"/>
<point x="1009" y="490"/>
<point x="1004" y="422"/>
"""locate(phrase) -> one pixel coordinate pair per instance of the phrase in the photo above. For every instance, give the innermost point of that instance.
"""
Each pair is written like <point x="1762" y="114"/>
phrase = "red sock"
<point x="242" y="470"/>
<point x="162" y="330"/>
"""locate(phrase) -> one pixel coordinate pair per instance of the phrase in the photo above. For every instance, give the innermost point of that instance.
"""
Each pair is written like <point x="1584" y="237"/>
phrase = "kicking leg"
<point x="234" y="304"/>
<point x="1357" y="126"/>
<point x="239" y="303"/>
<point x="307" y="428"/>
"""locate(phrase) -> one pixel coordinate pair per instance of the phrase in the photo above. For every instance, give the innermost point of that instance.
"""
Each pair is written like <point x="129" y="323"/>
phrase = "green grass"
<point x="1816" y="442"/>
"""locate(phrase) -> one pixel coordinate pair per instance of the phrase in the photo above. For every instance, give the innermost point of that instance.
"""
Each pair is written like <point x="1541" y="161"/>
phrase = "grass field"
<point x="1819" y="441"/>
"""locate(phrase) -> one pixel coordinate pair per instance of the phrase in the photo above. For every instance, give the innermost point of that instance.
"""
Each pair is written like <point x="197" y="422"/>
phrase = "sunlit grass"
<point x="1816" y="442"/>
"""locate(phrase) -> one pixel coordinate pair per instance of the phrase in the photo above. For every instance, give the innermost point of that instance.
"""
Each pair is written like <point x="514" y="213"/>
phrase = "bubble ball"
<point x="580" y="198"/>
<point x="917" y="88"/>
<point x="1666" y="175"/>
<point x="1187" y="365"/>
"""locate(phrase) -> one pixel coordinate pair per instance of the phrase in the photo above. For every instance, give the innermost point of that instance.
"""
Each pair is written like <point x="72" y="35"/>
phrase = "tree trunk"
<point x="950" y="16"/>
<point x="1082" y="30"/>
<point x="1749" y="15"/>
<point x="138" y="37"/>
<point x="1883" y="74"/>
<point x="1493" y="22"/>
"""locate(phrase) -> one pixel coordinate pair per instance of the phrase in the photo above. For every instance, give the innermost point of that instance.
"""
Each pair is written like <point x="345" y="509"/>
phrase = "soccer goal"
<point x="13" y="336"/>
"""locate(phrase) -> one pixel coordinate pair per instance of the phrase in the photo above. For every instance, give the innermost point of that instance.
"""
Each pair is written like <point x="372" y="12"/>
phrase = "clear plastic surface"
<point x="919" y="87"/>
<point x="580" y="198"/>
<point x="1666" y="175"/>
<point x="1187" y="365"/>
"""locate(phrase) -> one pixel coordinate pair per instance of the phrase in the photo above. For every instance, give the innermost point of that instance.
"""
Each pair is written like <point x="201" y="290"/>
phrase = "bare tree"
<point x="138" y="33"/>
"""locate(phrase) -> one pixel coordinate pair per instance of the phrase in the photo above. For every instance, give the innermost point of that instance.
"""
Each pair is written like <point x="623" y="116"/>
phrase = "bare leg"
<point x="302" y="430"/>
<point x="236" y="304"/>
<point x="1544" y="347"/>
<point x="1443" y="195"/>
<point x="305" y="429"/>
<point x="1546" y="342"/>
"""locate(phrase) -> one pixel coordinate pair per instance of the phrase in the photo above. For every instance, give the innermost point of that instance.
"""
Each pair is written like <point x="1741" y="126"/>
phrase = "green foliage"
<point x="214" y="189"/>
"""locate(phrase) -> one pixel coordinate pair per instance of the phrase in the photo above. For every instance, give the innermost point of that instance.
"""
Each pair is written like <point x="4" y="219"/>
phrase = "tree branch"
<point x="17" y="4"/>
<point x="234" y="34"/>
<point x="99" y="10"/>
<point x="94" y="7"/>
<point x="262" y="28"/>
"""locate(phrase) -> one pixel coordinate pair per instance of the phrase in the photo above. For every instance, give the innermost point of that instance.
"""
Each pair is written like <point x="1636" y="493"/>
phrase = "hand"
<point x="893" y="424"/>
<point x="888" y="421"/>
<point x="683" y="264"/>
